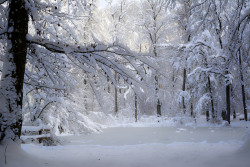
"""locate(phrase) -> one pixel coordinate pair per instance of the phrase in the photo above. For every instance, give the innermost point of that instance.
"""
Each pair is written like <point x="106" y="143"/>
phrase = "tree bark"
<point x="243" y="89"/>
<point x="210" y="93"/>
<point x="116" y="97"/>
<point x="192" y="111"/>
<point x="228" y="102"/>
<point x="158" y="105"/>
<point x="13" y="72"/>
<point x="183" y="89"/>
<point x="136" y="109"/>
<point x="211" y="98"/>
<point x="158" y="108"/>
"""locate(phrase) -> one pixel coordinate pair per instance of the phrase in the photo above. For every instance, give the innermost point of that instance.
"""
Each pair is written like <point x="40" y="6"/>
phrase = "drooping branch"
<point x="2" y="1"/>
<point x="108" y="55"/>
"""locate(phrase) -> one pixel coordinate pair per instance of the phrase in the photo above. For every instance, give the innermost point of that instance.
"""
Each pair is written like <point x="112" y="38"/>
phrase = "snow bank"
<point x="12" y="155"/>
<point x="164" y="121"/>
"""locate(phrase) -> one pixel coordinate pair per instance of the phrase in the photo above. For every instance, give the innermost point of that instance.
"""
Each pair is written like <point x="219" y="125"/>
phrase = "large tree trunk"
<point x="211" y="98"/>
<point x="210" y="93"/>
<point x="13" y="72"/>
<point x="243" y="89"/>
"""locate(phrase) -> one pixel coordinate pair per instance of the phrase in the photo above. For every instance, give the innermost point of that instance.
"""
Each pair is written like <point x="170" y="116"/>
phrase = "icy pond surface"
<point x="165" y="135"/>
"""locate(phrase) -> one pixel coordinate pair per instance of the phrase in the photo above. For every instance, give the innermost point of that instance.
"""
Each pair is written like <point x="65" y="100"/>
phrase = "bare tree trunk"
<point x="13" y="72"/>
<point x="224" y="115"/>
<point x="211" y="98"/>
<point x="207" y="115"/>
<point x="228" y="102"/>
<point x="243" y="89"/>
<point x="108" y="84"/>
<point x="192" y="111"/>
<point x="158" y="106"/>
<point x="116" y="98"/>
<point x="183" y="89"/>
<point x="136" y="109"/>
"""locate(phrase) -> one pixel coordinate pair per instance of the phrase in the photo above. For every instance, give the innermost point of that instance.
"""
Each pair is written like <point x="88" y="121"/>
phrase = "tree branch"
<point x="43" y="86"/>
<point x="2" y="1"/>
<point x="45" y="107"/>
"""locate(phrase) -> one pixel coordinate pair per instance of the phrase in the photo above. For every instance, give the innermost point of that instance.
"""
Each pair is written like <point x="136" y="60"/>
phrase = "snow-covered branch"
<point x="2" y="1"/>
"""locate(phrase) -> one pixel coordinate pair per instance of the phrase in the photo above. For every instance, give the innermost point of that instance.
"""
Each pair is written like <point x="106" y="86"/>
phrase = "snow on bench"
<point x="40" y="134"/>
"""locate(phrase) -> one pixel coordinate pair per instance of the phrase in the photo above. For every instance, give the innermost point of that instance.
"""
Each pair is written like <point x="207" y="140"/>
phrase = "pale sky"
<point x="101" y="3"/>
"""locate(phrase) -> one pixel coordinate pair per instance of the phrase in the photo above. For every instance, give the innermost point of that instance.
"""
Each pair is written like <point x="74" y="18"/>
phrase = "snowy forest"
<point x="102" y="70"/>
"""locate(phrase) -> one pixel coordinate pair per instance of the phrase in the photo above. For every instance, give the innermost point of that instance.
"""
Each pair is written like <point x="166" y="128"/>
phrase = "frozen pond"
<point x="164" y="135"/>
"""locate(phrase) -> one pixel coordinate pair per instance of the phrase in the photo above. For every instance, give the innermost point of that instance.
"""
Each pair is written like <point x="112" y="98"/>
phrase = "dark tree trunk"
<point x="243" y="89"/>
<point x="183" y="89"/>
<point x="211" y="98"/>
<point x="207" y="116"/>
<point x="136" y="109"/>
<point x="224" y="115"/>
<point x="13" y="72"/>
<point x="228" y="102"/>
<point x="244" y="101"/>
<point x="116" y="97"/>
<point x="210" y="92"/>
<point x="192" y="111"/>
<point x="158" y="105"/>
<point x="158" y="108"/>
<point x="108" y="84"/>
<point x="234" y="114"/>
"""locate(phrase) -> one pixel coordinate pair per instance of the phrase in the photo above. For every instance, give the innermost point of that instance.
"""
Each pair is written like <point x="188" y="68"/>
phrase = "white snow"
<point x="34" y="128"/>
<point x="140" y="147"/>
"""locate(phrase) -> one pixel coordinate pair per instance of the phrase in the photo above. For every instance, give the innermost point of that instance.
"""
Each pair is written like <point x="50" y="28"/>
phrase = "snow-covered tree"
<point x="46" y="31"/>
<point x="215" y="27"/>
<point x="209" y="54"/>
<point x="152" y="24"/>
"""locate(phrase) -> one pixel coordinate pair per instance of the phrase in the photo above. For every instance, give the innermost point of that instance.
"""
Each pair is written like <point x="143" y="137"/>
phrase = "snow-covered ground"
<point x="141" y="146"/>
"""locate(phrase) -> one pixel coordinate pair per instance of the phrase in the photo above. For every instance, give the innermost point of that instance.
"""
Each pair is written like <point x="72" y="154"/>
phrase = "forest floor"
<point x="136" y="145"/>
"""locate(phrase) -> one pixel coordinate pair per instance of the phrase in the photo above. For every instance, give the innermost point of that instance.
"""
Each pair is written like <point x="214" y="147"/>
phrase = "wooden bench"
<point x="44" y="131"/>
<point x="38" y="134"/>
